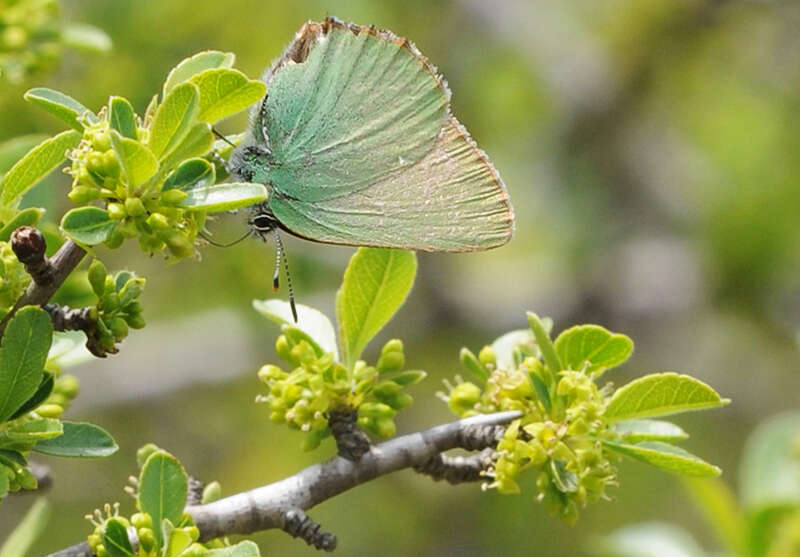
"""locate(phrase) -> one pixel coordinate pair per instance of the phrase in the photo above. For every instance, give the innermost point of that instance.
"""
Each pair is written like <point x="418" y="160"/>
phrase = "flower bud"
<point x="134" y="207"/>
<point x="116" y="211"/>
<point x="173" y="196"/>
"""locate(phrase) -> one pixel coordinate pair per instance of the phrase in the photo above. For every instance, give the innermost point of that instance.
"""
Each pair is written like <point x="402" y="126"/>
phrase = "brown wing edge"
<point x="312" y="31"/>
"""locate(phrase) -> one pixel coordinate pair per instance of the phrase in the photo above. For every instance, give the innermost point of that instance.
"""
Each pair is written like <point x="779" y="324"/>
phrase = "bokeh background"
<point x="652" y="152"/>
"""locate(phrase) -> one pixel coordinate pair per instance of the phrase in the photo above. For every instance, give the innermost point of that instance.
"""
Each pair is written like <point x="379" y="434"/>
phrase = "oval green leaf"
<point x="28" y="433"/>
<point x="174" y="119"/>
<point x="770" y="469"/>
<point x="634" y="431"/>
<point x="376" y="283"/>
<point x="61" y="106"/>
<point x="224" y="92"/>
<point x="162" y="490"/>
<point x="88" y="225"/>
<point x="138" y="163"/>
<point x="224" y="197"/>
<point x="14" y="149"/>
<point x="312" y="322"/>
<point x="26" y="217"/>
<point x="115" y="539"/>
<point x="37" y="164"/>
<point x="41" y="394"/>
<point x="85" y="37"/>
<point x="667" y="457"/>
<point x="121" y="117"/>
<point x="23" y="353"/>
<point x="197" y="143"/>
<point x="194" y="173"/>
<point x="241" y="549"/>
<point x="593" y="348"/>
<point x="661" y="394"/>
<point x="200" y="62"/>
<point x="79" y="440"/>
<point x="509" y="347"/>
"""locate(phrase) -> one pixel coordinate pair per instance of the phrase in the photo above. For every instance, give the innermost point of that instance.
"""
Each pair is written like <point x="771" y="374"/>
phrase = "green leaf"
<point x="198" y="142"/>
<point x="200" y="62"/>
<point x="566" y="481"/>
<point x="770" y="467"/>
<point x="4" y="484"/>
<point x="30" y="528"/>
<point x="177" y="540"/>
<point x="312" y="322"/>
<point x="14" y="149"/>
<point x="542" y="336"/>
<point x="85" y="37"/>
<point x="88" y="225"/>
<point x="61" y="106"/>
<point x="720" y="509"/>
<point x="665" y="456"/>
<point x="193" y="173"/>
<point x="115" y="539"/>
<point x="376" y="283"/>
<point x="223" y="197"/>
<point x="592" y="346"/>
<point x="224" y="92"/>
<point x="138" y="163"/>
<point x="520" y="341"/>
<point x="651" y="539"/>
<point x="411" y="377"/>
<point x="37" y="164"/>
<point x="661" y="394"/>
<point x="241" y="549"/>
<point x="121" y="117"/>
<point x="541" y="390"/>
<point x="26" y="217"/>
<point x="21" y="436"/>
<point x="633" y="431"/>
<point x="24" y="351"/>
<point x="174" y="119"/>
<point x="79" y="440"/>
<point x="41" y="394"/>
<point x="162" y="490"/>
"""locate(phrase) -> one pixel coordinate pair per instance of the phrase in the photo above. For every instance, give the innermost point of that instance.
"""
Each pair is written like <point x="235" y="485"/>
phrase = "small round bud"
<point x="173" y="196"/>
<point x="28" y="245"/>
<point x="134" y="207"/>
<point x="116" y="211"/>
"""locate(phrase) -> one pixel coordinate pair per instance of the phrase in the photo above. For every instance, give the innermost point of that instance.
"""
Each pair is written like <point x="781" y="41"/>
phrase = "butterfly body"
<point x="356" y="145"/>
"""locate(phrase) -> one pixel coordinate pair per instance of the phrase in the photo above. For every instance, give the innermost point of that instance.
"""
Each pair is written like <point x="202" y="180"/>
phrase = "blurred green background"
<point x="651" y="151"/>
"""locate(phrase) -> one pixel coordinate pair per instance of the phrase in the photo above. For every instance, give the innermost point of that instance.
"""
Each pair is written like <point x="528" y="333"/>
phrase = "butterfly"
<point x="356" y="144"/>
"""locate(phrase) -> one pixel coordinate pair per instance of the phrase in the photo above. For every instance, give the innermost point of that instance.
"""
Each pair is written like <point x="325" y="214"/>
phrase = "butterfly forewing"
<point x="364" y="150"/>
<point x="354" y="111"/>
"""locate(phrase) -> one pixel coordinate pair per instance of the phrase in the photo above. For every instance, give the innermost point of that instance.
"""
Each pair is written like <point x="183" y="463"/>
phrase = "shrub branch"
<point x="282" y="504"/>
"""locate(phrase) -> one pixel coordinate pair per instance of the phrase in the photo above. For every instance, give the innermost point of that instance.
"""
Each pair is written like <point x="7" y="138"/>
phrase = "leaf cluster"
<point x="162" y="528"/>
<point x="375" y="285"/>
<point x="572" y="428"/>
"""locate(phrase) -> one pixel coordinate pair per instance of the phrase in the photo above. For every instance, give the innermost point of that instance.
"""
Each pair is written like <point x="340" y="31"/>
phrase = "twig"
<point x="457" y="469"/>
<point x="66" y="319"/>
<point x="60" y="266"/>
<point x="351" y="442"/>
<point x="266" y="507"/>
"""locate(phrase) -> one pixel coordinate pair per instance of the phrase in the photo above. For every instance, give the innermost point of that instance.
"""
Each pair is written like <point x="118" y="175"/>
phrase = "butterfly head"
<point x="250" y="163"/>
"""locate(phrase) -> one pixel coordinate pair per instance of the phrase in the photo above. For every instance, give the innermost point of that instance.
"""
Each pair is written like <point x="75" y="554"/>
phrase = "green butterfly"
<point x="356" y="145"/>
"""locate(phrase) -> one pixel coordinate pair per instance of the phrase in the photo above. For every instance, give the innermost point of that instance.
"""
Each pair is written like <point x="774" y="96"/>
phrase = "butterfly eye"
<point x="262" y="222"/>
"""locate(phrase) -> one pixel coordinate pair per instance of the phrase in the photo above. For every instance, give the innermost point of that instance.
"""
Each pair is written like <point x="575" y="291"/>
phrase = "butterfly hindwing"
<point x="364" y="150"/>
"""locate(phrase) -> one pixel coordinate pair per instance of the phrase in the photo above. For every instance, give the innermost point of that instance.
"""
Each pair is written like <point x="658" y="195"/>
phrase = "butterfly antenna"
<point x="229" y="244"/>
<point x="223" y="138"/>
<point x="280" y="255"/>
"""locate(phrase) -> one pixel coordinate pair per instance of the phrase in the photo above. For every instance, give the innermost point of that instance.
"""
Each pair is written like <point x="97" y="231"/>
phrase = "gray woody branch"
<point x="269" y="506"/>
<point x="48" y="273"/>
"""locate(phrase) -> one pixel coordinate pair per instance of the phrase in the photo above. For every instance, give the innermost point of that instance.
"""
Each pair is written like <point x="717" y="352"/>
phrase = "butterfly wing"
<point x="365" y="151"/>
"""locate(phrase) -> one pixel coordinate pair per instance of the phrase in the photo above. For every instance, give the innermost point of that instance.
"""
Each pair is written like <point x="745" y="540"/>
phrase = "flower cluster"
<point x="149" y="211"/>
<point x="13" y="278"/>
<point x="560" y="434"/>
<point x="117" y="309"/>
<point x="304" y="397"/>
<point x="30" y="34"/>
